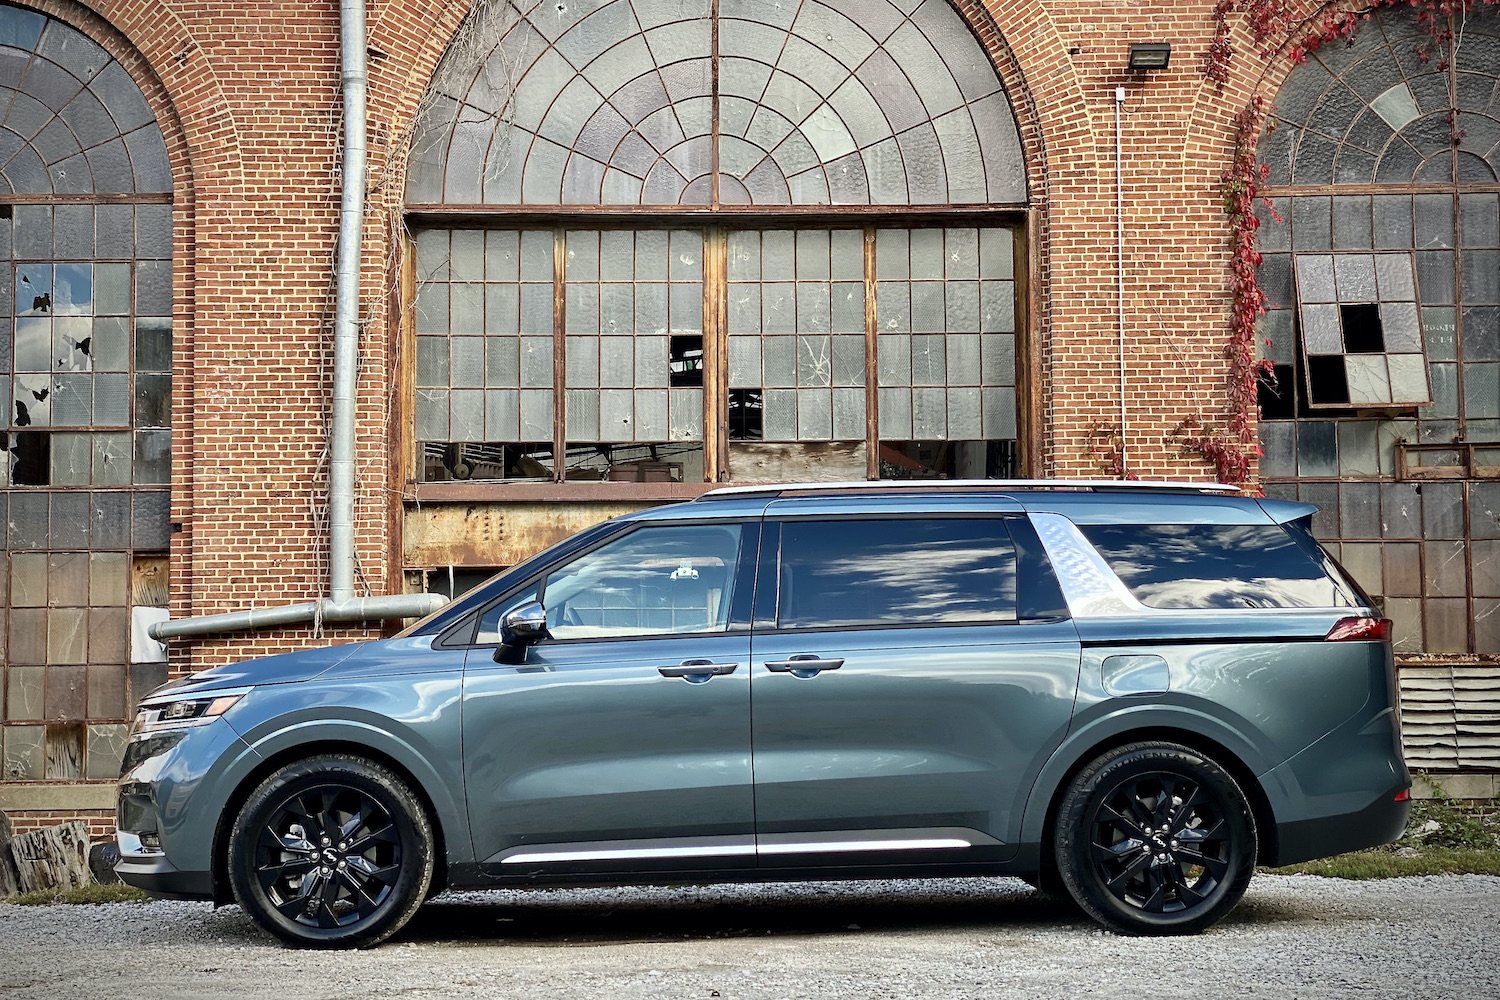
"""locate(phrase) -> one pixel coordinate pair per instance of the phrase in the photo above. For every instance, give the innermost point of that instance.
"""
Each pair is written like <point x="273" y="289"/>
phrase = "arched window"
<point x="686" y="240"/>
<point x="86" y="348"/>
<point x="1384" y="279"/>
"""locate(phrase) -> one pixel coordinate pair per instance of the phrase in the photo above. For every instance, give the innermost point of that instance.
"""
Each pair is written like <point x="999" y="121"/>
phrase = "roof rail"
<point x="969" y="485"/>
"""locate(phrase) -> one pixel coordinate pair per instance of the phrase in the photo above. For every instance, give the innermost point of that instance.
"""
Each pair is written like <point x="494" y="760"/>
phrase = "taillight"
<point x="1403" y="796"/>
<point x="1360" y="630"/>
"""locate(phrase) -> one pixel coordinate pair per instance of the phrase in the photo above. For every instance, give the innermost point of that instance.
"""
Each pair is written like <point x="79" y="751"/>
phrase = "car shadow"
<point x="592" y="916"/>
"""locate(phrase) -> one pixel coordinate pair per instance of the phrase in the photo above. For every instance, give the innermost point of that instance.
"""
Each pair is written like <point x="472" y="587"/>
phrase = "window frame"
<point x="715" y="225"/>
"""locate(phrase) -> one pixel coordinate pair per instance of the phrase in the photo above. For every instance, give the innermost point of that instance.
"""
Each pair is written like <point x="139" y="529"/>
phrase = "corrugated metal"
<point x="1450" y="716"/>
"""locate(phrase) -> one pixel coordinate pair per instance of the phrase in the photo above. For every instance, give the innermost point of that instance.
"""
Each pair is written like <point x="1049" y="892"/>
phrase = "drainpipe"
<point x="341" y="605"/>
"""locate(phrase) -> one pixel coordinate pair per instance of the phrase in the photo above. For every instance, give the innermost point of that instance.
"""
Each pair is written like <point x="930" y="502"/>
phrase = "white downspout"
<point x="355" y="79"/>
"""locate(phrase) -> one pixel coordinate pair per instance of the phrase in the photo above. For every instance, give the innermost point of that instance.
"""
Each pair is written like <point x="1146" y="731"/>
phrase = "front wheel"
<point x="1155" y="838"/>
<point x="334" y="852"/>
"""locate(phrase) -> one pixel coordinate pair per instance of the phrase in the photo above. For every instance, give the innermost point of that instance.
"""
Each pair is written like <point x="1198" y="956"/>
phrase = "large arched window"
<point x="685" y="240"/>
<point x="86" y="349"/>
<point x="1385" y="330"/>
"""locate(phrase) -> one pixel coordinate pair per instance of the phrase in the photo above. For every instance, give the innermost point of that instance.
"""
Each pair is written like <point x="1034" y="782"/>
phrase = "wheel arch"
<point x="219" y="858"/>
<point x="1039" y="823"/>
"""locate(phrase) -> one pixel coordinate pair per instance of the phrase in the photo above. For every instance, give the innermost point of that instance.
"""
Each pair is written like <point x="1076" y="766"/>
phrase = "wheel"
<point x="334" y="852"/>
<point x="1155" y="838"/>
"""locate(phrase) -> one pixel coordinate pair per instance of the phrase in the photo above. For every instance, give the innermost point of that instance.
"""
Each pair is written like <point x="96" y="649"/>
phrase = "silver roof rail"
<point x="991" y="485"/>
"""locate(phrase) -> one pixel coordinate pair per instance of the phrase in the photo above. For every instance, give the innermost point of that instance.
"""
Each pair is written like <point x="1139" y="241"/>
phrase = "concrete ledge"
<point x="56" y="798"/>
<point x="1459" y="786"/>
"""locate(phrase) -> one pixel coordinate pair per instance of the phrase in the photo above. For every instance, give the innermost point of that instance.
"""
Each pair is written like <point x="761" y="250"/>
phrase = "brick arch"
<point x="1046" y="91"/>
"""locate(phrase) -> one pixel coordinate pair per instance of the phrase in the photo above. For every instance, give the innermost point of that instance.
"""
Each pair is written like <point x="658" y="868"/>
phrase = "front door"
<point x="902" y="695"/>
<point x="623" y="741"/>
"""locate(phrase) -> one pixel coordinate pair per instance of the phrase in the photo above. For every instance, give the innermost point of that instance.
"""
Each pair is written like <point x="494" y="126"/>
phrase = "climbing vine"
<point x="1271" y="24"/>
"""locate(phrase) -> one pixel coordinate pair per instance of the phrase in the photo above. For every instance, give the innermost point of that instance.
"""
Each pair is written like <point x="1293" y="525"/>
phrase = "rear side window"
<point x="896" y="572"/>
<point x="1214" y="566"/>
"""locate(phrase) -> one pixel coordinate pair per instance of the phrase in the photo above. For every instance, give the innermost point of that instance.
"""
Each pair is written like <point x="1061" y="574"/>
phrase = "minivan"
<point x="1127" y="694"/>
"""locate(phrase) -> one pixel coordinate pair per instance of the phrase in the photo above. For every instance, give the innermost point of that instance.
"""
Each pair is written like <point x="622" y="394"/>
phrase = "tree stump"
<point x="9" y="885"/>
<point x="56" y="857"/>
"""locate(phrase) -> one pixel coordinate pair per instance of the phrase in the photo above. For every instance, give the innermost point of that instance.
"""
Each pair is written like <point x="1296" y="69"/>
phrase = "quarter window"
<point x="1214" y="566"/>
<point x="896" y="572"/>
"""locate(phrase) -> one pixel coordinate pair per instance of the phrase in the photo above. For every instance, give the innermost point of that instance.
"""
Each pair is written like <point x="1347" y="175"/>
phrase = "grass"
<point x="1443" y="837"/>
<point x="91" y="894"/>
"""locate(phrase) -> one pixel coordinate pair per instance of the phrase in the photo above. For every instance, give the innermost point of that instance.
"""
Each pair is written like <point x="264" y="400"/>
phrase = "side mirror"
<point x="524" y="626"/>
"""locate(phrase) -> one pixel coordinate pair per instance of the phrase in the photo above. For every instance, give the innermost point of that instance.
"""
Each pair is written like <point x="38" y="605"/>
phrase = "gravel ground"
<point x="1292" y="936"/>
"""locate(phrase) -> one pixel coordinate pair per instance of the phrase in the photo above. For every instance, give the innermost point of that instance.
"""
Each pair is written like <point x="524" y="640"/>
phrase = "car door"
<point x="623" y="740"/>
<point x="912" y="669"/>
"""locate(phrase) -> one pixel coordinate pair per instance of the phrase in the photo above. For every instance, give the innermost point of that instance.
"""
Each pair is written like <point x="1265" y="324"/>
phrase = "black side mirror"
<point x="522" y="627"/>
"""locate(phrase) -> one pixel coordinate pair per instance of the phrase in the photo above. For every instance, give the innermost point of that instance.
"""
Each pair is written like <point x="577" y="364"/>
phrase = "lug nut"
<point x="343" y="845"/>
<point x="325" y="841"/>
<point x="343" y="865"/>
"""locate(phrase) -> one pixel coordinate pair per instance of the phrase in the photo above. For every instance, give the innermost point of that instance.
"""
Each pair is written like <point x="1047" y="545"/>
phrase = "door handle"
<point x="698" y="668"/>
<point x="803" y="665"/>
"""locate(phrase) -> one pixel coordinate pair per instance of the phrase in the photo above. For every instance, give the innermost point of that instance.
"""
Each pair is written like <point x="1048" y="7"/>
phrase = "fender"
<point x="1122" y="719"/>
<point x="382" y="735"/>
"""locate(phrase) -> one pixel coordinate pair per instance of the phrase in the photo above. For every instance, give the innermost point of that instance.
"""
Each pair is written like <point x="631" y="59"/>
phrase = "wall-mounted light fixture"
<point x="1149" y="55"/>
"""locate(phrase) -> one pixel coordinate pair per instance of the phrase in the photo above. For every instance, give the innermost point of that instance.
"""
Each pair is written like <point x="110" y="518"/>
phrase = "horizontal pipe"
<point x="352" y="610"/>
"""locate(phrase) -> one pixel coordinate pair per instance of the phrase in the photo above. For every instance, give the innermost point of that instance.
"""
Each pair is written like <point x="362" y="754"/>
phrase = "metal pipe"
<point x="1120" y="263"/>
<point x="355" y="79"/>
<point x="355" y="609"/>
<point x="341" y="605"/>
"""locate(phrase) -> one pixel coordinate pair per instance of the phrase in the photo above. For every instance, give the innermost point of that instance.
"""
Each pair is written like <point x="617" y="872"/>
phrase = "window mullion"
<point x="715" y="355"/>
<point x="872" y="390"/>
<point x="559" y="359"/>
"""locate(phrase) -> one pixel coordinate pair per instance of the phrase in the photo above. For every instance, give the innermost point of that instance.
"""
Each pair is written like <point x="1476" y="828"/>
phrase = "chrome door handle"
<point x="803" y="665"/>
<point x="698" y="668"/>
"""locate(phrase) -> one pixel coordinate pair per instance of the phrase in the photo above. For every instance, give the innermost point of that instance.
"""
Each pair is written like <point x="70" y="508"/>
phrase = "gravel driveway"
<point x="970" y="938"/>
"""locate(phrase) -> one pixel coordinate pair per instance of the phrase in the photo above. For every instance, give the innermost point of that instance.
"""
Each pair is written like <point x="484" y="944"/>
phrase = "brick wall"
<point x="248" y="99"/>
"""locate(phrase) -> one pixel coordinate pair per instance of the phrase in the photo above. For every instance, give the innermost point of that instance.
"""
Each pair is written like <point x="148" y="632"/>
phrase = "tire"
<point x="1155" y="838"/>
<point x="331" y="852"/>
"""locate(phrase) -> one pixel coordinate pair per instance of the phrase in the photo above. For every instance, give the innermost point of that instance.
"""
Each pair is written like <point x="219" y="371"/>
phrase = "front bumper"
<point x="156" y="875"/>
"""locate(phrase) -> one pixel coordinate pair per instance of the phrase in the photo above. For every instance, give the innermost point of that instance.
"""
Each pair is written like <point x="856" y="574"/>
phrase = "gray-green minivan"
<point x="1126" y="694"/>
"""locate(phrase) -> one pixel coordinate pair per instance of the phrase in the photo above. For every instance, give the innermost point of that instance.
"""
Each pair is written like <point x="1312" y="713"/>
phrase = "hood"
<point x="284" y="668"/>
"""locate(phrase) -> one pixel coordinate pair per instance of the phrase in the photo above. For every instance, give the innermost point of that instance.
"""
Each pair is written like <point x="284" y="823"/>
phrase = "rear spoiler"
<point x="1284" y="511"/>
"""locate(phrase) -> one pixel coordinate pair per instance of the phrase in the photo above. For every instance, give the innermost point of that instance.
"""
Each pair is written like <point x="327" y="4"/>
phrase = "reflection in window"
<point x="905" y="572"/>
<point x="1214" y="566"/>
<point x="654" y="581"/>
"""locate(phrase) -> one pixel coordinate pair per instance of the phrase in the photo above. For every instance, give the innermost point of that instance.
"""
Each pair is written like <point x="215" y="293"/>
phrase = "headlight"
<point x="179" y="713"/>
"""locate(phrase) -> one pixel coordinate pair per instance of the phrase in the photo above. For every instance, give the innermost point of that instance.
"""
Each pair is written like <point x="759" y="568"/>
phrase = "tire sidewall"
<point x="1099" y="780"/>
<point x="413" y="829"/>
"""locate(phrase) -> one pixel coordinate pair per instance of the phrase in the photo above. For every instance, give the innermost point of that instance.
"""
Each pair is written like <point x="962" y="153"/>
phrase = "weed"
<point x="92" y="894"/>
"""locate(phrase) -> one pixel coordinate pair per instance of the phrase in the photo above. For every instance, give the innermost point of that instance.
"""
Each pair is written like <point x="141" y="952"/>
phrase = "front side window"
<point x="665" y="580"/>
<point x="897" y="572"/>
<point x="1174" y="566"/>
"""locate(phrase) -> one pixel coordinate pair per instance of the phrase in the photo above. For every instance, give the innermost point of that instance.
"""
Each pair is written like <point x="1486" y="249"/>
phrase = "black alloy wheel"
<point x="1155" y="839"/>
<point x="333" y="851"/>
<point x="329" y="856"/>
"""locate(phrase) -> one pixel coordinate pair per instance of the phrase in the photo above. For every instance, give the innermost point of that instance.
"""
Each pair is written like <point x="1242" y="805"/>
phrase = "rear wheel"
<point x="1155" y="838"/>
<point x="334" y="851"/>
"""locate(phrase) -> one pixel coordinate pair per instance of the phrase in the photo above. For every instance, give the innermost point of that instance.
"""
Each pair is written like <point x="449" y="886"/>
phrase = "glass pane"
<point x="654" y="581"/>
<point x="840" y="573"/>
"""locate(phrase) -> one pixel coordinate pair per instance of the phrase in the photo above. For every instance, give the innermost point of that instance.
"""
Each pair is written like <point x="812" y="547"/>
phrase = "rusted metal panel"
<point x="496" y="534"/>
